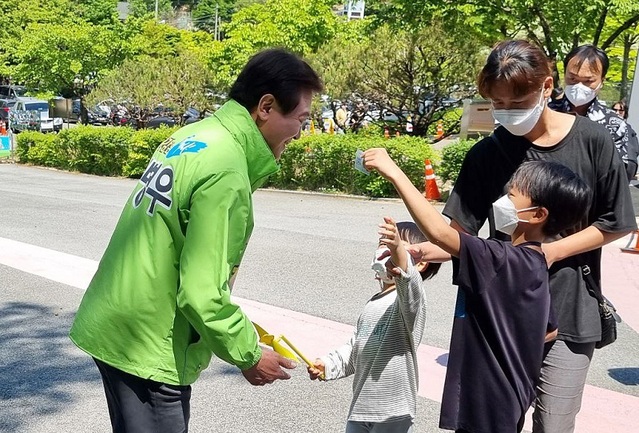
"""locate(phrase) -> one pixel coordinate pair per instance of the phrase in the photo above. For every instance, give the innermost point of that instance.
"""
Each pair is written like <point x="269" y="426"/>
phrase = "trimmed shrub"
<point x="142" y="146"/>
<point x="325" y="163"/>
<point x="107" y="151"/>
<point x="452" y="158"/>
<point x="320" y="162"/>
<point x="38" y="149"/>
<point x="92" y="150"/>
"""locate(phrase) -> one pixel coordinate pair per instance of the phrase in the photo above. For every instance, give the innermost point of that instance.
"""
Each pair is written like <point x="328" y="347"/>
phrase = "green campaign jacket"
<point x="159" y="304"/>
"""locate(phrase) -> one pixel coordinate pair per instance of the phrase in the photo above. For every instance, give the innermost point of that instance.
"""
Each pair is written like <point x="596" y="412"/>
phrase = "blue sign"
<point x="5" y="142"/>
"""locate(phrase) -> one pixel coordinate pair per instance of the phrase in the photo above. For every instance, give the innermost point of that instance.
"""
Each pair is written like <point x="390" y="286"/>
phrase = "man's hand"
<point x="269" y="368"/>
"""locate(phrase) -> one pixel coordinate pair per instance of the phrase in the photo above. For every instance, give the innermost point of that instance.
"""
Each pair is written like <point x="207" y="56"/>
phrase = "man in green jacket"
<point x="159" y="304"/>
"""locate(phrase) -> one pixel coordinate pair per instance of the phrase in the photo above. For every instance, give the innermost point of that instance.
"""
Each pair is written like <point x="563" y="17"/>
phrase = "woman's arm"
<point x="588" y="239"/>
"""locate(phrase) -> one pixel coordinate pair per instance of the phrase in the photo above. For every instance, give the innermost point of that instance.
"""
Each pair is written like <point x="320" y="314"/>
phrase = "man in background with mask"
<point x="585" y="69"/>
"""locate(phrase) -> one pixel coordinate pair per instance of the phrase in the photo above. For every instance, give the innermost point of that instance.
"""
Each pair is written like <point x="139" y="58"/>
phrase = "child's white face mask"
<point x="505" y="214"/>
<point x="379" y="266"/>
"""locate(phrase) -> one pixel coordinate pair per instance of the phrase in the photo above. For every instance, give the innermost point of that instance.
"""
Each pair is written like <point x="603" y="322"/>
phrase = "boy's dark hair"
<point x="409" y="232"/>
<point x="555" y="187"/>
<point x="278" y="72"/>
<point x="596" y="57"/>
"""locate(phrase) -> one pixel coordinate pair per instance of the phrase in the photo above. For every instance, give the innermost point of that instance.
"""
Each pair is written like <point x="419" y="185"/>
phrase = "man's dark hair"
<point x="278" y="72"/>
<point x="409" y="232"/>
<point x="596" y="57"/>
<point x="557" y="188"/>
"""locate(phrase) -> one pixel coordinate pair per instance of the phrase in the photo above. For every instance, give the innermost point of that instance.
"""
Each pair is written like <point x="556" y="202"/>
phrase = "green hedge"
<point x="314" y="163"/>
<point x="325" y="163"/>
<point x="106" y="151"/>
<point x="452" y="158"/>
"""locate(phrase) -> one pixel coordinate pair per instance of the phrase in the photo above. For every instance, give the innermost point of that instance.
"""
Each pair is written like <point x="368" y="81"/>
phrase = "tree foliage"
<point x="67" y="58"/>
<point x="146" y="83"/>
<point x="301" y="26"/>
<point x="406" y="73"/>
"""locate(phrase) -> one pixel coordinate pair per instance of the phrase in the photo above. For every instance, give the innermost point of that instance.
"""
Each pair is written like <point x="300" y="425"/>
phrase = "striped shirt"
<point x="382" y="353"/>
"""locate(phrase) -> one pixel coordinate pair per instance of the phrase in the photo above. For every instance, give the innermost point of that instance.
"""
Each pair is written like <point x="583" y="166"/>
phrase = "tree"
<point x="301" y="26"/>
<point x="67" y="58"/>
<point x="406" y="73"/>
<point x="146" y="8"/>
<point x="557" y="27"/>
<point x="206" y="11"/>
<point x="17" y="15"/>
<point x="146" y="83"/>
<point x="98" y="12"/>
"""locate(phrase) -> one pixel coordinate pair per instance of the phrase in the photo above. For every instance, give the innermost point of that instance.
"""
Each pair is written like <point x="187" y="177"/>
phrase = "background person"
<point x="518" y="81"/>
<point x="503" y="305"/>
<point x="159" y="304"/>
<point x="619" y="107"/>
<point x="382" y="354"/>
<point x="585" y="69"/>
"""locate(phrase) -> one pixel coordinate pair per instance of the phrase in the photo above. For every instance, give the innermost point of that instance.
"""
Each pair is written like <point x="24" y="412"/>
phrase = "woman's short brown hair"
<point x="516" y="64"/>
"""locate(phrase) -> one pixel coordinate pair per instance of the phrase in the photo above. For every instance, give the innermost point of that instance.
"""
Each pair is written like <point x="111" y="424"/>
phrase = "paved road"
<point x="306" y="274"/>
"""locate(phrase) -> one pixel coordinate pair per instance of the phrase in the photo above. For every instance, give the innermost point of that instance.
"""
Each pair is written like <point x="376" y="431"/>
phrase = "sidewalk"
<point x="620" y="280"/>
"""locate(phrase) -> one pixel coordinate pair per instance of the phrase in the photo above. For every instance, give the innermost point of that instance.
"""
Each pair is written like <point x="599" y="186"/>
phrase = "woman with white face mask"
<point x="517" y="79"/>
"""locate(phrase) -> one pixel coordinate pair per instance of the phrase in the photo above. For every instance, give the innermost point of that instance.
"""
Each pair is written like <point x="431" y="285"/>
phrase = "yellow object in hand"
<point x="274" y="342"/>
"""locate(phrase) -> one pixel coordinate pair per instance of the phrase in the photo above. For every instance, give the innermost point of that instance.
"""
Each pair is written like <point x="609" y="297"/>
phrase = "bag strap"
<point x="591" y="284"/>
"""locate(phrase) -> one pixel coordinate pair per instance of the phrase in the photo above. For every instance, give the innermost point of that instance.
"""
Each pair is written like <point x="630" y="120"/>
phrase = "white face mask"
<point x="520" y="121"/>
<point x="505" y="214"/>
<point x="579" y="94"/>
<point x="379" y="266"/>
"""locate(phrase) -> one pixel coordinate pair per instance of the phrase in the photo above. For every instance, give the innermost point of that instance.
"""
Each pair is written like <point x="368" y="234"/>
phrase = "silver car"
<point x="33" y="114"/>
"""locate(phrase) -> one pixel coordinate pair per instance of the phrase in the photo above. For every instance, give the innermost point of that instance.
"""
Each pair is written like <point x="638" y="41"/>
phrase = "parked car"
<point x="4" y="110"/>
<point x="33" y="114"/>
<point x="11" y="93"/>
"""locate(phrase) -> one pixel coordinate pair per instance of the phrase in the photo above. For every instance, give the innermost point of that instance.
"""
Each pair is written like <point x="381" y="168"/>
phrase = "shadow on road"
<point x="37" y="363"/>
<point x="626" y="376"/>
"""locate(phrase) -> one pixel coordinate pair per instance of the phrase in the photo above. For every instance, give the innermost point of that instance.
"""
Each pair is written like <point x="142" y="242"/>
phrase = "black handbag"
<point x="607" y="311"/>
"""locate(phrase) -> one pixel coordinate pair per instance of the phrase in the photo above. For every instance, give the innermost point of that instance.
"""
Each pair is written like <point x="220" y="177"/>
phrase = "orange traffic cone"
<point x="386" y="133"/>
<point x="635" y="249"/>
<point x="440" y="129"/>
<point x="3" y="129"/>
<point x="431" y="192"/>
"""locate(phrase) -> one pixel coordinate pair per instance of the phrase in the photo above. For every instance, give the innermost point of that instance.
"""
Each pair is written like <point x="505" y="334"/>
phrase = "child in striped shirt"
<point x="382" y="353"/>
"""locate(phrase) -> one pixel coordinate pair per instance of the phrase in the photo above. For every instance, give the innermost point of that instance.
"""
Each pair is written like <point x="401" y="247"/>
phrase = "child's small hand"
<point x="378" y="159"/>
<point x="389" y="236"/>
<point x="317" y="370"/>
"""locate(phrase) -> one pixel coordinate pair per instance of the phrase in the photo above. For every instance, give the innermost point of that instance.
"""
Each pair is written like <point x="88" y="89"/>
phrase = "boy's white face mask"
<point x="505" y="214"/>
<point x="379" y="266"/>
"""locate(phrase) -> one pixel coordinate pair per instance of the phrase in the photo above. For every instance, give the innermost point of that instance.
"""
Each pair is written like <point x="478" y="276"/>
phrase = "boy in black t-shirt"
<point x="503" y="304"/>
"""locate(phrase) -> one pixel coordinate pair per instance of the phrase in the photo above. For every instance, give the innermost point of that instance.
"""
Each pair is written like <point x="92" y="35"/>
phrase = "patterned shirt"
<point x="382" y="354"/>
<point x="623" y="135"/>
